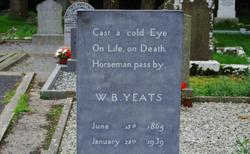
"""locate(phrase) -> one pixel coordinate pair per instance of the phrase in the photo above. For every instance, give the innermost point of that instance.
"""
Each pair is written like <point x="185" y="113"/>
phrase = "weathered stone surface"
<point x="186" y="48"/>
<point x="226" y="9"/>
<point x="49" y="23"/>
<point x="73" y="43"/>
<point x="201" y="27"/>
<point x="49" y="17"/>
<point x="136" y="124"/>
<point x="70" y="18"/>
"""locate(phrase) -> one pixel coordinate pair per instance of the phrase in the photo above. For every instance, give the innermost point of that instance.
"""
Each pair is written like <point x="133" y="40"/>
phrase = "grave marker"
<point x="70" y="18"/>
<point x="200" y="12"/>
<point x="49" y="23"/>
<point x="226" y="10"/>
<point x="128" y="86"/>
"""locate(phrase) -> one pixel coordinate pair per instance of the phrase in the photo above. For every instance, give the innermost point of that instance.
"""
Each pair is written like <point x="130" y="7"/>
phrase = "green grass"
<point x="23" y="105"/>
<point x="8" y="95"/>
<point x="244" y="22"/>
<point x="229" y="59"/>
<point x="23" y="28"/>
<point x="226" y="40"/>
<point x="220" y="85"/>
<point x="53" y="117"/>
<point x="243" y="146"/>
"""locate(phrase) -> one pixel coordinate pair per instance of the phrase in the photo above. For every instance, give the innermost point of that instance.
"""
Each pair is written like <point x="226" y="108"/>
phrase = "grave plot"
<point x="8" y="84"/>
<point x="9" y="59"/>
<point x="61" y="83"/>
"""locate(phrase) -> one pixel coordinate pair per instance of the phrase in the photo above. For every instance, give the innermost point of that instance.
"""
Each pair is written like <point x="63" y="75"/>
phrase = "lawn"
<point x="223" y="40"/>
<point x="229" y="59"/>
<point x="16" y="28"/>
<point x="220" y="85"/>
<point x="229" y="40"/>
<point x="244" y="22"/>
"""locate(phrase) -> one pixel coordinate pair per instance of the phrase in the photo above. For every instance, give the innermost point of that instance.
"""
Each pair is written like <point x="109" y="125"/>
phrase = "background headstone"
<point x="72" y="62"/>
<point x="49" y="17"/>
<point x="201" y="27"/>
<point x="226" y="10"/>
<point x="73" y="43"/>
<point x="114" y="65"/>
<point x="49" y="23"/>
<point x="186" y="48"/>
<point x="70" y="18"/>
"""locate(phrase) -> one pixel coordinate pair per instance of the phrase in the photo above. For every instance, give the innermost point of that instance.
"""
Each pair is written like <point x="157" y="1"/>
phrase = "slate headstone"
<point x="70" y="18"/>
<point x="73" y="43"/>
<point x="128" y="86"/>
<point x="72" y="62"/>
<point x="201" y="16"/>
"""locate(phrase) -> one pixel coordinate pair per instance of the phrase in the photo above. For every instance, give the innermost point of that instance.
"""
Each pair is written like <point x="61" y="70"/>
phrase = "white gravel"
<point x="65" y="81"/>
<point x="207" y="128"/>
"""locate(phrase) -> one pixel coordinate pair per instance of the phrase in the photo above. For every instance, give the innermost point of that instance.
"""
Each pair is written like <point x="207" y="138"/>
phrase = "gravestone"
<point x="186" y="49"/>
<point x="201" y="13"/>
<point x="226" y="10"/>
<point x="70" y="18"/>
<point x="73" y="42"/>
<point x="128" y="86"/>
<point x="49" y="23"/>
<point x="72" y="62"/>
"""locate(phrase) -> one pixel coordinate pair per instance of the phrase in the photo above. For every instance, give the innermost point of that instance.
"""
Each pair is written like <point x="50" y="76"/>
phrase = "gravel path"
<point x="41" y="64"/>
<point x="28" y="47"/>
<point x="28" y="134"/>
<point x="207" y="128"/>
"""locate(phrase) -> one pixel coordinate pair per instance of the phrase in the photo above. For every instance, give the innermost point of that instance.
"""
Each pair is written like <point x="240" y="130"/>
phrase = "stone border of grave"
<point x="8" y="112"/>
<point x="224" y="99"/>
<point x="58" y="134"/>
<point x="18" y="41"/>
<point x="11" y="59"/>
<point x="48" y="93"/>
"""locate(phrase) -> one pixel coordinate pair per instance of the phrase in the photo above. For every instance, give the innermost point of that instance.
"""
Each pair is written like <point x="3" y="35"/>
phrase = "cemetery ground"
<point x="212" y="127"/>
<point x="207" y="127"/>
<point x="244" y="22"/>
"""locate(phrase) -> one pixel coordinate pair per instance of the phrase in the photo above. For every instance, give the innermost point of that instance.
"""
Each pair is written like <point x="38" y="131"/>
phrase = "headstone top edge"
<point x="49" y="3"/>
<point x="75" y="5"/>
<point x="118" y="10"/>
